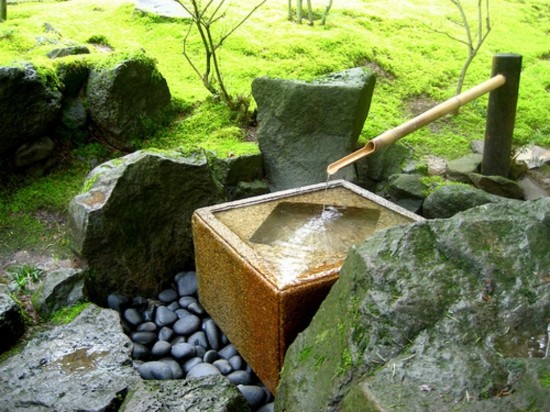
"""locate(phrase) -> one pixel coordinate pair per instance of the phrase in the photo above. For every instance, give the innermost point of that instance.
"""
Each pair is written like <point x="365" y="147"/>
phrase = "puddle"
<point x="81" y="360"/>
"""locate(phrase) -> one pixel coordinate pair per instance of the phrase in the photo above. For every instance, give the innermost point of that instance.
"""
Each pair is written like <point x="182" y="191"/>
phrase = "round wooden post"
<point x="3" y="10"/>
<point x="501" y="116"/>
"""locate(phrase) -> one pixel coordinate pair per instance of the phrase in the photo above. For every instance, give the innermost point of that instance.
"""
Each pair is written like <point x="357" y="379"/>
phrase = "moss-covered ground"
<point x="409" y="44"/>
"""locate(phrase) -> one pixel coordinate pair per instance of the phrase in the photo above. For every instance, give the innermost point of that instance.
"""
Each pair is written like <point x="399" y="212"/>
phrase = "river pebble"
<point x="174" y="338"/>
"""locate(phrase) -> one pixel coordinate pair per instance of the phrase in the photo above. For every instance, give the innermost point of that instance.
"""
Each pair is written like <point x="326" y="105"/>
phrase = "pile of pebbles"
<point x="174" y="338"/>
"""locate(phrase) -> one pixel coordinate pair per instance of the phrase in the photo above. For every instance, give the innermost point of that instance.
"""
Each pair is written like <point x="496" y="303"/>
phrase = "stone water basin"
<point x="265" y="264"/>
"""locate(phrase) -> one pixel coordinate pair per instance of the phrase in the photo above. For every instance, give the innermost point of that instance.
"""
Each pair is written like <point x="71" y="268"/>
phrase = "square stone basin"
<point x="265" y="264"/>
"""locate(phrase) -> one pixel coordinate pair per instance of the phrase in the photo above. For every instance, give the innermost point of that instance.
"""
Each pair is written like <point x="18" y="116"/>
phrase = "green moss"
<point x="67" y="314"/>
<point x="544" y="380"/>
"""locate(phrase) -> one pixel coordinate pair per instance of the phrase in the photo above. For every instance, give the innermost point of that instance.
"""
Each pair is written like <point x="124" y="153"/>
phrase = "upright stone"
<point x="29" y="103"/>
<point x="12" y="325"/>
<point x="305" y="126"/>
<point x="121" y="100"/>
<point x="133" y="224"/>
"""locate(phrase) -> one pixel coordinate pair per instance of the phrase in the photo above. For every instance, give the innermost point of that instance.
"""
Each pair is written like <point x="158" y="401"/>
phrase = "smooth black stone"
<point x="161" y="348"/>
<point x="212" y="333"/>
<point x="139" y="302"/>
<point x="182" y="313"/>
<point x="168" y="295"/>
<point x="191" y="363"/>
<point x="145" y="338"/>
<point x="155" y="370"/>
<point x="139" y="351"/>
<point x="133" y="317"/>
<point x="223" y="365"/>
<point x="201" y="351"/>
<point x="117" y="302"/>
<point x="202" y="369"/>
<point x="165" y="316"/>
<point x="228" y="351"/>
<point x="196" y="308"/>
<point x="268" y="395"/>
<point x="149" y="313"/>
<point x="210" y="356"/>
<point x="187" y="283"/>
<point x="147" y="327"/>
<point x="240" y="378"/>
<point x="224" y="339"/>
<point x="187" y="325"/>
<point x="198" y="338"/>
<point x="177" y="371"/>
<point x="185" y="301"/>
<point x="183" y="351"/>
<point x="254" y="395"/>
<point x="126" y="327"/>
<point x="178" y="339"/>
<point x="165" y="333"/>
<point x="236" y="362"/>
<point x="268" y="407"/>
<point x="173" y="306"/>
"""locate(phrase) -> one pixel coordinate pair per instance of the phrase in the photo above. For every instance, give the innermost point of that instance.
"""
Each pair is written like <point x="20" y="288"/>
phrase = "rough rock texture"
<point x="305" y="126"/>
<point x="239" y="176"/>
<point x="12" y="326"/>
<point x="497" y="185"/>
<point x="447" y="201"/>
<point x="82" y="366"/>
<point x="213" y="393"/>
<point x="407" y="190"/>
<point x="133" y="224"/>
<point x="61" y="288"/>
<point x="379" y="166"/>
<point x="34" y="151"/>
<point x="459" y="169"/>
<point x="447" y="314"/>
<point x="29" y="102"/>
<point x="123" y="98"/>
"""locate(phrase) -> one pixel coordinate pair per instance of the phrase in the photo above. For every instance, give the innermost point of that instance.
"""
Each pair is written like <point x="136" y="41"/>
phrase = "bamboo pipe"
<point x="392" y="135"/>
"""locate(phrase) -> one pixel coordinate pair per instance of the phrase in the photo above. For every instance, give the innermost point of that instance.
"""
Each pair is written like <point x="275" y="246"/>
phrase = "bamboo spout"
<point x="392" y="135"/>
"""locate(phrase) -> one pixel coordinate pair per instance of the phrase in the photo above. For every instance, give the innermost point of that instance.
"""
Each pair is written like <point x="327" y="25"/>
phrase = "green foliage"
<point x="23" y="276"/>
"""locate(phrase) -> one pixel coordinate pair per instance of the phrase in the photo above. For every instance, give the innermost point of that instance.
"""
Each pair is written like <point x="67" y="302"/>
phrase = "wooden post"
<point x="3" y="10"/>
<point x="501" y="116"/>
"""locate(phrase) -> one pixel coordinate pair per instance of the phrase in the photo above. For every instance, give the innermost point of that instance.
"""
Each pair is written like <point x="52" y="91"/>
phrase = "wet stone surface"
<point x="174" y="338"/>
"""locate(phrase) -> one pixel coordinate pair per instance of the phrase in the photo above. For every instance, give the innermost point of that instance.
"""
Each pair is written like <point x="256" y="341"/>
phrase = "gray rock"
<point x="448" y="200"/>
<point x="73" y="114"/>
<point x="382" y="164"/>
<point x="191" y="363"/>
<point x="140" y="351"/>
<point x="144" y="338"/>
<point x="227" y="352"/>
<point x="29" y="103"/>
<point x="133" y="224"/>
<point x="177" y="371"/>
<point x="161" y="348"/>
<point x="61" y="288"/>
<point x="187" y="325"/>
<point x="67" y="51"/>
<point x="84" y="365"/>
<point x="156" y="370"/>
<point x="245" y="190"/>
<point x="196" y="308"/>
<point x="254" y="395"/>
<point x="121" y="99"/>
<point x="305" y="126"/>
<point x="164" y="316"/>
<point x="201" y="370"/>
<point x="34" y="152"/>
<point x="183" y="350"/>
<point x="211" y="393"/>
<point x="210" y="356"/>
<point x="165" y="333"/>
<point x="436" y="315"/>
<point x="459" y="169"/>
<point x="185" y="301"/>
<point x="223" y="365"/>
<point x="236" y="362"/>
<point x="240" y="378"/>
<point x="12" y="325"/>
<point x="133" y="317"/>
<point x="212" y="333"/>
<point x="73" y="75"/>
<point x="147" y="327"/>
<point x="168" y="295"/>
<point x="187" y="283"/>
<point x="497" y="185"/>
<point x="117" y="302"/>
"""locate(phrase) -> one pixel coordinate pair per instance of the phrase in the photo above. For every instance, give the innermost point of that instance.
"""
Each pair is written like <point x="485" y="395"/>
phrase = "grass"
<point x="403" y="41"/>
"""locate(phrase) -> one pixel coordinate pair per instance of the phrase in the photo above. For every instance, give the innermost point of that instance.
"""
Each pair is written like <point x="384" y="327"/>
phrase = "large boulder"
<point x="84" y="365"/>
<point x="122" y="100"/>
<point x="446" y="314"/>
<point x="12" y="325"/>
<point x="212" y="393"/>
<point x="305" y="126"/>
<point x="29" y="103"/>
<point x="133" y="224"/>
